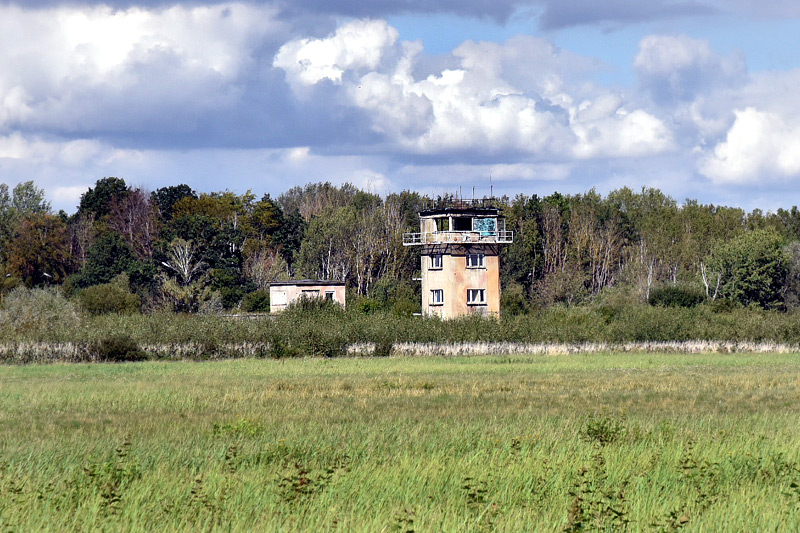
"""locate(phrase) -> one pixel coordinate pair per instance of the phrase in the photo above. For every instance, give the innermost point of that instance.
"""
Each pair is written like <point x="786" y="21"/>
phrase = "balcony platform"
<point x="458" y="237"/>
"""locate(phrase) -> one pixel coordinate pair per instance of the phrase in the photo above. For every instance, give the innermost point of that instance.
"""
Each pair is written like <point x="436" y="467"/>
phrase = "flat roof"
<point x="307" y="283"/>
<point x="461" y="211"/>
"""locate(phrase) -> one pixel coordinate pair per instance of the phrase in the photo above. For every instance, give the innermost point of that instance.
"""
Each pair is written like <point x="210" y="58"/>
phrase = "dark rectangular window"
<point x="476" y="296"/>
<point x="462" y="224"/>
<point x="475" y="261"/>
<point x="437" y="296"/>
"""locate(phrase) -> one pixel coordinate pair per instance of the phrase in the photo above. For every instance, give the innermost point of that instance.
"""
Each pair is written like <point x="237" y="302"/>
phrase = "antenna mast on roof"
<point x="491" y="187"/>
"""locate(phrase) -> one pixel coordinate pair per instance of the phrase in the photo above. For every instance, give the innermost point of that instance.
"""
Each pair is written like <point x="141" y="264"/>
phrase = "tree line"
<point x="126" y="248"/>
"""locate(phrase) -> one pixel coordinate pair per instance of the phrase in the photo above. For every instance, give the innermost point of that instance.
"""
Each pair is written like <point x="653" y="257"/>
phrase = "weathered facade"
<point x="283" y="293"/>
<point x="460" y="258"/>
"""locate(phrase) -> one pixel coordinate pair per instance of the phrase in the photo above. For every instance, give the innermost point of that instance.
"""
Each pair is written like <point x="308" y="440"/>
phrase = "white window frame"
<point x="437" y="296"/>
<point x="435" y="262"/>
<point x="330" y="295"/>
<point x="476" y="296"/>
<point x="481" y="260"/>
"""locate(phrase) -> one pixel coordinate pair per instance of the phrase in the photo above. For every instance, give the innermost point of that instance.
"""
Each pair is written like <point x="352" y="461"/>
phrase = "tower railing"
<point x="458" y="237"/>
<point x="461" y="203"/>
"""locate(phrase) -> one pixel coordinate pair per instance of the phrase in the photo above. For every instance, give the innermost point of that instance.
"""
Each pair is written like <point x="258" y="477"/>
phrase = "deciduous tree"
<point x="752" y="268"/>
<point x="108" y="257"/>
<point x="97" y="201"/>
<point x="183" y="261"/>
<point x="136" y="220"/>
<point x="39" y="252"/>
<point x="165" y="198"/>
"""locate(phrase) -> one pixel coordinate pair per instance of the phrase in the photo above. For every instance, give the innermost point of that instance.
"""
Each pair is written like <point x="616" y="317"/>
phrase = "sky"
<point x="695" y="97"/>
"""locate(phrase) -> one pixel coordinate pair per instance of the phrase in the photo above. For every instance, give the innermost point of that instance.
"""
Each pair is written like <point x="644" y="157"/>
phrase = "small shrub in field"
<point x="299" y="482"/>
<point x="114" y="297"/>
<point x="315" y="327"/>
<point x="280" y="346"/>
<point x="603" y="430"/>
<point x="118" y="348"/>
<point x="113" y="477"/>
<point x="383" y="337"/>
<point x="210" y="348"/>
<point x="597" y="505"/>
<point x="241" y="427"/>
<point x="612" y="304"/>
<point x="383" y="348"/>
<point x="311" y="327"/>
<point x="676" y="296"/>
<point x="321" y="341"/>
<point x="37" y="310"/>
<point x="256" y="302"/>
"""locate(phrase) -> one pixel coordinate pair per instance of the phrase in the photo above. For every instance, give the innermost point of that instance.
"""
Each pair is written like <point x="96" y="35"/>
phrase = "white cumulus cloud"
<point x="621" y="134"/>
<point x="75" y="154"/>
<point x="760" y="145"/>
<point x="357" y="45"/>
<point x="512" y="98"/>
<point x="98" y="68"/>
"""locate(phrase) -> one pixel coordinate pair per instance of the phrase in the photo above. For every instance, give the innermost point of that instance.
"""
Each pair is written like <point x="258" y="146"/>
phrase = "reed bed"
<point x="70" y="352"/>
<point x="509" y="348"/>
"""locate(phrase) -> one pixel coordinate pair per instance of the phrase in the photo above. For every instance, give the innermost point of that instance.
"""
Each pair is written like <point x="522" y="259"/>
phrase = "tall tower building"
<point x="460" y="258"/>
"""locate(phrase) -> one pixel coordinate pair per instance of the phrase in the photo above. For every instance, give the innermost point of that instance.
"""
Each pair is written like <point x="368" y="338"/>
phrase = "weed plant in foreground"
<point x="611" y="442"/>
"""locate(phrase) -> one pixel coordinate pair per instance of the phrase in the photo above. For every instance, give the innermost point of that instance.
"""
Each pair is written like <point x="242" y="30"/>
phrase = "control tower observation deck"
<point x="460" y="221"/>
<point x="460" y="257"/>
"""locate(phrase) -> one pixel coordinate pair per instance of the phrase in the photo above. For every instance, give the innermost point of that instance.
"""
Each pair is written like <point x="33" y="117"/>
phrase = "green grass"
<point x="647" y="442"/>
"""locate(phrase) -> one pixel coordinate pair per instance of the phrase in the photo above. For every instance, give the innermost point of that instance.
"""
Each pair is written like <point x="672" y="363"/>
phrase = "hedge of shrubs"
<point x="322" y="328"/>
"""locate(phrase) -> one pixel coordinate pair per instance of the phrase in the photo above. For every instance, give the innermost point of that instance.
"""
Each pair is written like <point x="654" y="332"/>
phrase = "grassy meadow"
<point x="643" y="442"/>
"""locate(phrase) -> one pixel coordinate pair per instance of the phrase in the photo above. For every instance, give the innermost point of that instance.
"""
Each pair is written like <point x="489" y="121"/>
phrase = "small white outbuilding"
<point x="283" y="293"/>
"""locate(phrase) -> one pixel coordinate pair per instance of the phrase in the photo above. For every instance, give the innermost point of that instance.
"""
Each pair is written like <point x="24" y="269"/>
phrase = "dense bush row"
<point x="317" y="328"/>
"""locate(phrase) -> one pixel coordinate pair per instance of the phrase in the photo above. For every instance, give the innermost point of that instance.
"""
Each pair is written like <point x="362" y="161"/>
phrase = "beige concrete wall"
<point x="427" y="225"/>
<point x="280" y="296"/>
<point x="455" y="278"/>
